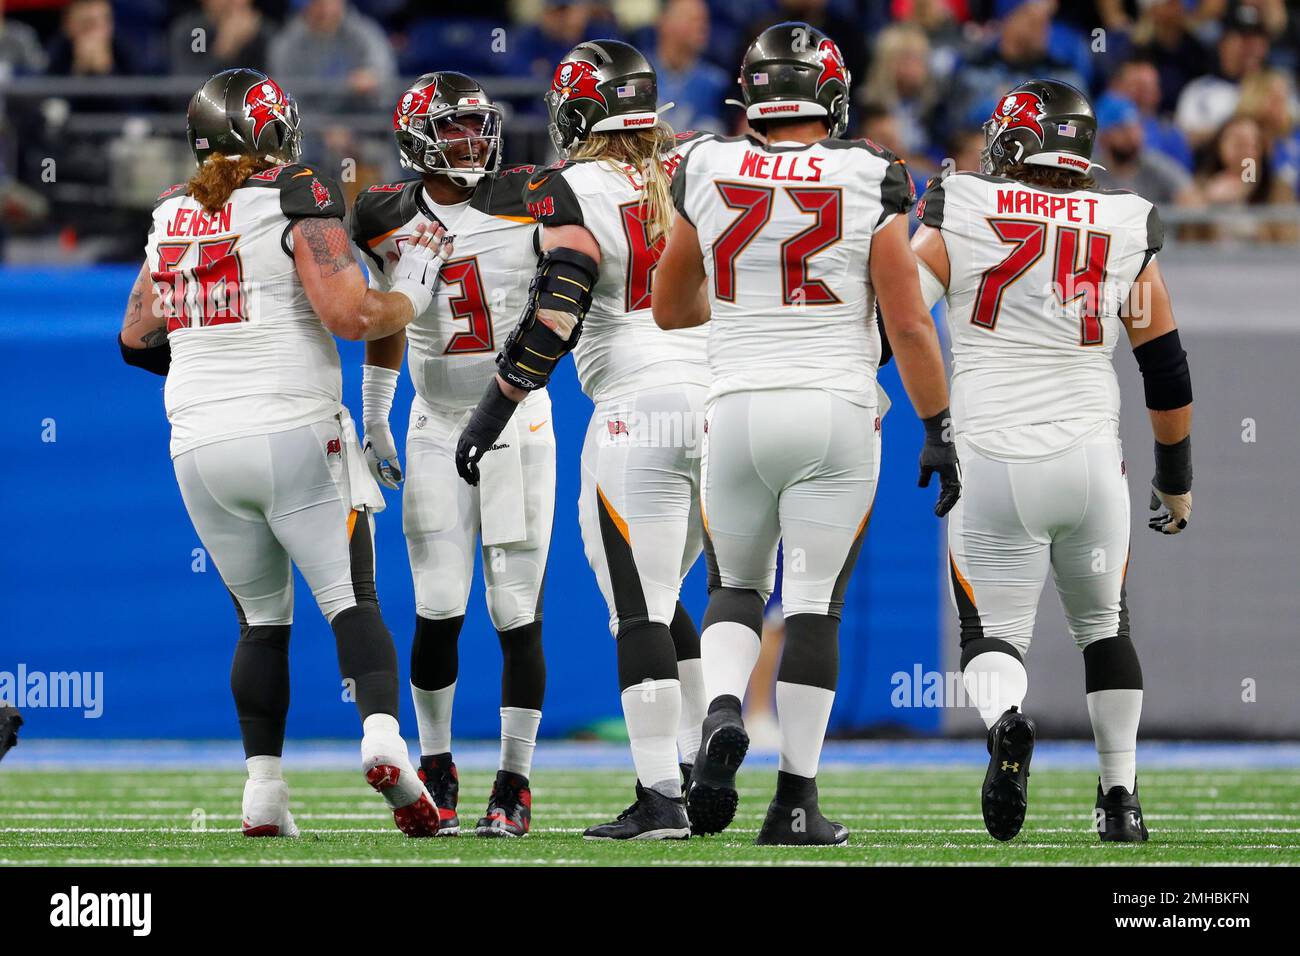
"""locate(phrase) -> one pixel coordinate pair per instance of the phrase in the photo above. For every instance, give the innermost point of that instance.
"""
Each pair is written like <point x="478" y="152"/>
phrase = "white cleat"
<point x="388" y="769"/>
<point x="266" y="809"/>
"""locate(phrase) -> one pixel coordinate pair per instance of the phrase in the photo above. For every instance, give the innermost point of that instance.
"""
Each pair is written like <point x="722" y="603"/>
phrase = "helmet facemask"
<point x="462" y="143"/>
<point x="991" y="161"/>
<point x="565" y="127"/>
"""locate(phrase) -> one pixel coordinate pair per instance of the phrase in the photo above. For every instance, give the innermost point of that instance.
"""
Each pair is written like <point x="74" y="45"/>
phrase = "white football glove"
<point x="378" y="385"/>
<point x="1178" y="511"/>
<point x="416" y="273"/>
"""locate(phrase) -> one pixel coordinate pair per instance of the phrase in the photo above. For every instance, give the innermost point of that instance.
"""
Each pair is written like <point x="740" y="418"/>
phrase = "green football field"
<point x="909" y="816"/>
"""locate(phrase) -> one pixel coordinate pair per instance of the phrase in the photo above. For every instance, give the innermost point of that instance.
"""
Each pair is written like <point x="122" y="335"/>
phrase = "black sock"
<point x="686" y="639"/>
<point x="259" y="680"/>
<point x="367" y="658"/>
<point x="523" y="667"/>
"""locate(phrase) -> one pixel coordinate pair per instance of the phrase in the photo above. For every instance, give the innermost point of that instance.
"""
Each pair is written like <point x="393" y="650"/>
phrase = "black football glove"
<point x="490" y="418"/>
<point x="939" y="455"/>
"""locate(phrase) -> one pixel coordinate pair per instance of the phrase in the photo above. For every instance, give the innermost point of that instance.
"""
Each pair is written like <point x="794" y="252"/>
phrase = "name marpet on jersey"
<point x="196" y="222"/>
<point x="781" y="167"/>
<point x="75" y="908"/>
<point x="1016" y="201"/>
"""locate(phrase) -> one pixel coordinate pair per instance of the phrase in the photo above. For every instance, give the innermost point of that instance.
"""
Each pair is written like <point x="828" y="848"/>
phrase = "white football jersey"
<point x="1038" y="279"/>
<point x="621" y="350"/>
<point x="248" y="353"/>
<point x="786" y="233"/>
<point x="482" y="289"/>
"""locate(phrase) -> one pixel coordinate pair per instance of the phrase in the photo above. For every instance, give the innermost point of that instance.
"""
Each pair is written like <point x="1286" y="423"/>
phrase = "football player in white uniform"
<point x="1041" y="271"/>
<point x="605" y="210"/>
<point x="783" y="244"/>
<point x="248" y="270"/>
<point x="449" y="132"/>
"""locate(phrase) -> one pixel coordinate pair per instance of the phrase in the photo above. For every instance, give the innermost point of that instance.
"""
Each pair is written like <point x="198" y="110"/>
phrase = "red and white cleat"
<point x="415" y="818"/>
<point x="387" y="766"/>
<point x="266" y="809"/>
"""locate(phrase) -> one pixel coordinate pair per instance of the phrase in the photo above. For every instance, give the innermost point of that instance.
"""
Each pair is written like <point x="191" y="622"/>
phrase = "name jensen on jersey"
<point x="756" y="165"/>
<point x="197" y="222"/>
<point x="1017" y="201"/>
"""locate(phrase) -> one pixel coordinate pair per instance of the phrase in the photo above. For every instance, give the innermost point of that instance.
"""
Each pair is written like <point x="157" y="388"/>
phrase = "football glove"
<point x="487" y="422"/>
<point x="1178" y="511"/>
<point x="939" y="456"/>
<point x="416" y="272"/>
<point x="1172" y="487"/>
<point x="378" y="385"/>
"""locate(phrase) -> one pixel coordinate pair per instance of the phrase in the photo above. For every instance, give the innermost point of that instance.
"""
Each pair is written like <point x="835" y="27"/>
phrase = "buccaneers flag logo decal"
<point x="320" y="194"/>
<point x="576" y="80"/>
<point x="1020" y="111"/>
<point x="414" y="102"/>
<point x="265" y="103"/>
<point x="832" y="64"/>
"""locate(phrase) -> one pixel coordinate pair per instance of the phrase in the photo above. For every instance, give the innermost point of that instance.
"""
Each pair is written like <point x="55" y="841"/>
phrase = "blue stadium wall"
<point x="98" y="555"/>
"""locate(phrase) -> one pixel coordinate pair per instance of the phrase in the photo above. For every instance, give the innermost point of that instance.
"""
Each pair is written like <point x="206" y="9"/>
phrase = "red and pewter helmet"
<point x="244" y="113"/>
<point x="1043" y="123"/>
<point x="442" y="111"/>
<point x="601" y="86"/>
<point x="793" y="70"/>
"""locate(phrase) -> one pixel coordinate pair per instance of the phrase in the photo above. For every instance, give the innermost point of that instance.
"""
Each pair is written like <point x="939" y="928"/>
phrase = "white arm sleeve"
<point x="932" y="289"/>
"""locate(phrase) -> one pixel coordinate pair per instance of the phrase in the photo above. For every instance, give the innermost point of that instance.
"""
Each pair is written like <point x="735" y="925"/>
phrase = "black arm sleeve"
<point x="155" y="358"/>
<point x="1165" y="375"/>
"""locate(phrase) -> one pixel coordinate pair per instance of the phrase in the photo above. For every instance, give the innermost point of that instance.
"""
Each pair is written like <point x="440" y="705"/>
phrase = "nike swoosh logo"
<point x="305" y="172"/>
<point x="532" y="185"/>
<point x="533" y="428"/>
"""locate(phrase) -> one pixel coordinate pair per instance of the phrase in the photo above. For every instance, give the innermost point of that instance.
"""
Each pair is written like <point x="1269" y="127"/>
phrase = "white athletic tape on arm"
<point x="378" y="386"/>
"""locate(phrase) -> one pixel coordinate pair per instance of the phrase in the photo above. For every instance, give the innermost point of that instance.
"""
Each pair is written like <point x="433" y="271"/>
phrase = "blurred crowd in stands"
<point x="1196" y="99"/>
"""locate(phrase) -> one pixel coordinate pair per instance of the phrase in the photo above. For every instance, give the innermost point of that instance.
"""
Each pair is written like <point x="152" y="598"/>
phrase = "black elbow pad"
<point x="155" y="358"/>
<point x="564" y="282"/>
<point x="1165" y="376"/>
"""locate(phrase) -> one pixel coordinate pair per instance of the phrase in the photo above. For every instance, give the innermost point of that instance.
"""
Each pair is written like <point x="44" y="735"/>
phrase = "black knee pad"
<point x="1111" y="664"/>
<point x="686" y="639"/>
<point x="367" y="658"/>
<point x="972" y="648"/>
<point x="435" y="653"/>
<point x="523" y="667"/>
<point x="812" y="651"/>
<point x="645" y="652"/>
<point x="735" y="604"/>
<point x="259" y="681"/>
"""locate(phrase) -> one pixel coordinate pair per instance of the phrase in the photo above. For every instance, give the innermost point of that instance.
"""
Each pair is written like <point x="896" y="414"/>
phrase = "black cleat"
<point x="686" y="769"/>
<point x="652" y="817"/>
<point x="1118" y="816"/>
<point x="711" y="796"/>
<point x="443" y="783"/>
<point x="795" y="819"/>
<point x="1005" y="796"/>
<point x="510" y="808"/>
